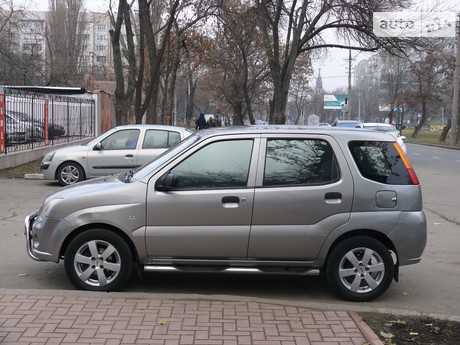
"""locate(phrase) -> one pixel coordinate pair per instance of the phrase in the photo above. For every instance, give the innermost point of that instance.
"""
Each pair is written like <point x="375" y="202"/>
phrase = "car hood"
<point x="93" y="194"/>
<point x="104" y="184"/>
<point x="64" y="151"/>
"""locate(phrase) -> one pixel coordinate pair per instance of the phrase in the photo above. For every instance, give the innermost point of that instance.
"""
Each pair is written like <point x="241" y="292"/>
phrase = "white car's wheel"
<point x="70" y="173"/>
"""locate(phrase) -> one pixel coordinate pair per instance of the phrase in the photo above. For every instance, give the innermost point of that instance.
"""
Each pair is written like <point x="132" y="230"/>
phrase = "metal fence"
<point x="30" y="120"/>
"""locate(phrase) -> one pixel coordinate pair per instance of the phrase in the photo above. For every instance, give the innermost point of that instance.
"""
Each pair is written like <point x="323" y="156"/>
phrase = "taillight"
<point x="407" y="164"/>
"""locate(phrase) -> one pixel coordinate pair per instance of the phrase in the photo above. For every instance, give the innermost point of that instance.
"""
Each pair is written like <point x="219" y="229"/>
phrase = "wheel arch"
<point x="99" y="226"/>
<point x="364" y="232"/>
<point x="83" y="168"/>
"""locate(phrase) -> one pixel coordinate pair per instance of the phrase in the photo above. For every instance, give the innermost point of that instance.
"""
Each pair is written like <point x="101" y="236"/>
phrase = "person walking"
<point x="200" y="123"/>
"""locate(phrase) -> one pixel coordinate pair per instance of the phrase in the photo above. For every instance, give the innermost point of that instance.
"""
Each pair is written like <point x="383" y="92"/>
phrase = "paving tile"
<point x="56" y="320"/>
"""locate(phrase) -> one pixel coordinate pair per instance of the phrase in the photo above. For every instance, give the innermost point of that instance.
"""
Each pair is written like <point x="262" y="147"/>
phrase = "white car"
<point x="121" y="149"/>
<point x="387" y="128"/>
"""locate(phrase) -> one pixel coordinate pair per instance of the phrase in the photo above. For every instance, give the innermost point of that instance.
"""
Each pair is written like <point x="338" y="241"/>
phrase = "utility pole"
<point x="349" y="85"/>
<point x="454" y="124"/>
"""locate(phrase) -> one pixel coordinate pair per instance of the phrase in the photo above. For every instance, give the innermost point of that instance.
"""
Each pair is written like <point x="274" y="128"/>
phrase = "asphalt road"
<point x="429" y="287"/>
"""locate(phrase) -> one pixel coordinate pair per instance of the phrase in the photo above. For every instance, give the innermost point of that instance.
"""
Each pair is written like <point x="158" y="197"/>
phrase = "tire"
<point x="70" y="173"/>
<point x="360" y="269"/>
<point x="98" y="260"/>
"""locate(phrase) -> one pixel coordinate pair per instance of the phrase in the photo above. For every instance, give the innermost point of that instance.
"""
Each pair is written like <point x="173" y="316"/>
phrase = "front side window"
<point x="160" y="139"/>
<point x="121" y="140"/>
<point x="223" y="164"/>
<point x="299" y="162"/>
<point x="379" y="161"/>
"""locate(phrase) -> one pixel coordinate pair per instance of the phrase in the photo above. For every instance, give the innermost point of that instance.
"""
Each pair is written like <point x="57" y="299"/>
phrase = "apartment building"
<point x="28" y="32"/>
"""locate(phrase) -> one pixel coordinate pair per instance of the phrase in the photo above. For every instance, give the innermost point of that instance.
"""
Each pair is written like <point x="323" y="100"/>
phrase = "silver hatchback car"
<point x="300" y="200"/>
<point x="115" y="151"/>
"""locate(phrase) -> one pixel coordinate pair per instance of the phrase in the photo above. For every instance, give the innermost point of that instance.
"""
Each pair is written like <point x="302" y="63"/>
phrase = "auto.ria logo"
<point x="414" y="24"/>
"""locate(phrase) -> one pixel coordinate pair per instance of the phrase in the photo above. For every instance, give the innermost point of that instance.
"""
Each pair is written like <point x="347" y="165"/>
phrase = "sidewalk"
<point x="68" y="317"/>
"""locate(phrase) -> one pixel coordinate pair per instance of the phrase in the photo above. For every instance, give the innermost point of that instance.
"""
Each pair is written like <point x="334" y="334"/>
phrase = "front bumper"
<point x="48" y="170"/>
<point x="28" y="222"/>
<point x="44" y="236"/>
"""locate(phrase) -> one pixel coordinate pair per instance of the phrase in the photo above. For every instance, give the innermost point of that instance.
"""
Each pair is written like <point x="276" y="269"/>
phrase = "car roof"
<point x="343" y="133"/>
<point x="150" y="126"/>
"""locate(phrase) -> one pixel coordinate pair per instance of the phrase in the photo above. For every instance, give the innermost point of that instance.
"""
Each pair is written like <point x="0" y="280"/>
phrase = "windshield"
<point x="158" y="161"/>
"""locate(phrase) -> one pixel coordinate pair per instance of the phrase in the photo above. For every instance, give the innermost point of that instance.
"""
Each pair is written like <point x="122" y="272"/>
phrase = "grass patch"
<point x="19" y="171"/>
<point x="427" y="138"/>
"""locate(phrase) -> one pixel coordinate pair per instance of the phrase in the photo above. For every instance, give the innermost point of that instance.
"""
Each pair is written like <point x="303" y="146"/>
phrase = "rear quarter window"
<point x="379" y="161"/>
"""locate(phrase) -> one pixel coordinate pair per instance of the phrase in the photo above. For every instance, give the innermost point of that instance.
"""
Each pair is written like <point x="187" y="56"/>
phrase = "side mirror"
<point x="98" y="147"/>
<point x="167" y="182"/>
<point x="402" y="137"/>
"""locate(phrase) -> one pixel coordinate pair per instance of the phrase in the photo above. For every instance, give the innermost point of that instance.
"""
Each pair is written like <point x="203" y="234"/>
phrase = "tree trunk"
<point x="190" y="98"/>
<point x="444" y="132"/>
<point x="422" y="119"/>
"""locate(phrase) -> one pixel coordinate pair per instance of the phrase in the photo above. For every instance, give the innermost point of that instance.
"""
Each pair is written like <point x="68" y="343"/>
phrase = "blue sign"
<point x="334" y="101"/>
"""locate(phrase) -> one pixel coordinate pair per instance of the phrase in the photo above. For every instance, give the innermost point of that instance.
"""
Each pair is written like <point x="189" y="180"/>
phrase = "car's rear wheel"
<point x="70" y="173"/>
<point x="98" y="260"/>
<point x="360" y="269"/>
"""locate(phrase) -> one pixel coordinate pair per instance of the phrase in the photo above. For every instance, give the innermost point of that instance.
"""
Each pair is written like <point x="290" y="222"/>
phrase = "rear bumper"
<point x="409" y="237"/>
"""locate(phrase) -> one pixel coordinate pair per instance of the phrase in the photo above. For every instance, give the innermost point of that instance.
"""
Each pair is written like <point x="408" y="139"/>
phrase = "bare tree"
<point x="157" y="23"/>
<point x="123" y="93"/>
<point x="236" y="63"/>
<point x="292" y="27"/>
<point x="65" y="34"/>
<point x="431" y="74"/>
<point x="300" y="91"/>
<point x="394" y="78"/>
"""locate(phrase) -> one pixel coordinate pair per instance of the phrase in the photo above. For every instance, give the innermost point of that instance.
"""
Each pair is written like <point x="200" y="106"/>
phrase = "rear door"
<point x="304" y="191"/>
<point x="208" y="214"/>
<point x="155" y="142"/>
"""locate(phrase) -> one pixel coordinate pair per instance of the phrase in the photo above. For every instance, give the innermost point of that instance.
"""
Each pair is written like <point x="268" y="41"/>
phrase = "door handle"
<point x="129" y="155"/>
<point x="333" y="198"/>
<point x="230" y="201"/>
<point x="333" y="195"/>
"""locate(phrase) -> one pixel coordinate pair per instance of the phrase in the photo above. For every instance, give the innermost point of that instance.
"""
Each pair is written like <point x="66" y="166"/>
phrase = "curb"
<point x="366" y="331"/>
<point x="33" y="176"/>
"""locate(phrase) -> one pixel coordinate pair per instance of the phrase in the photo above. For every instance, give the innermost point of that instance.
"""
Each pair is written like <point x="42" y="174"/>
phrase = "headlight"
<point x="49" y="156"/>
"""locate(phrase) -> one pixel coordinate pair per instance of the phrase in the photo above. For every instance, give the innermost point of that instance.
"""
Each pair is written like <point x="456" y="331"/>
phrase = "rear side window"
<point x="160" y="139"/>
<point x="379" y="161"/>
<point x="292" y="162"/>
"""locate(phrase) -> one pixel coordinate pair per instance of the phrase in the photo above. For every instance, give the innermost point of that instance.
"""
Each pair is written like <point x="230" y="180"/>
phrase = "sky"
<point x="334" y="68"/>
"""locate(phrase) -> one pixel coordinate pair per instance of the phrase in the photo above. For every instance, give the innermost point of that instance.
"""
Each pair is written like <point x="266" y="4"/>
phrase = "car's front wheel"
<point x="360" y="269"/>
<point x="70" y="173"/>
<point x="98" y="260"/>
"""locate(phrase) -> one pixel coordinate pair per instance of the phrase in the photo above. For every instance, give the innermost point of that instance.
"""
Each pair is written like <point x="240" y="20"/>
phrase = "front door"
<point x="208" y="214"/>
<point x="115" y="153"/>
